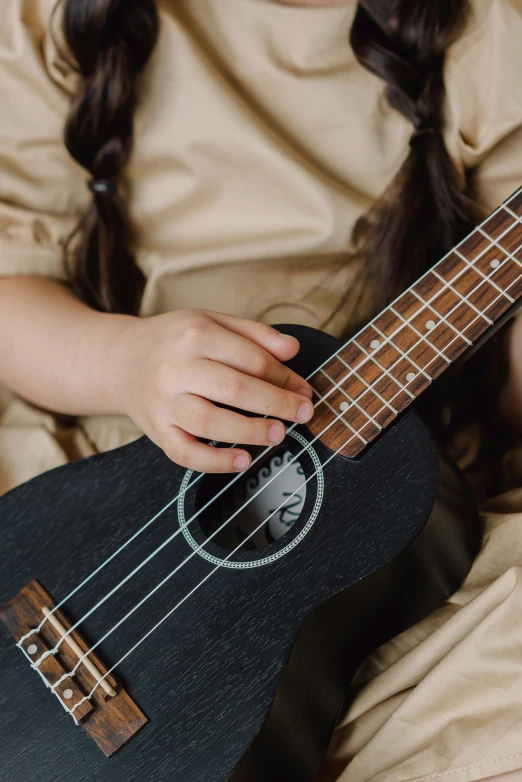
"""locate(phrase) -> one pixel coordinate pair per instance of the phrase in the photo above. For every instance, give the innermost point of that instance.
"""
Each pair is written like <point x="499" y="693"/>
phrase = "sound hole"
<point x="262" y="505"/>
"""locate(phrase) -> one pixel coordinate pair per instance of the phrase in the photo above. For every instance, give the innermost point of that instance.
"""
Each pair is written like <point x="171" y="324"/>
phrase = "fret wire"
<point x="386" y="372"/>
<point x="338" y="416"/>
<point x="429" y="301"/>
<point x="353" y="401"/>
<point x="489" y="217"/>
<point x="371" y="388"/>
<point x="479" y="271"/>
<point x="454" y="338"/>
<point x="442" y="317"/>
<point x="349" y="341"/>
<point x="358" y="434"/>
<point x="332" y="409"/>
<point x="403" y="354"/>
<point x="429" y="362"/>
<point x="503" y="208"/>
<point x="512" y="283"/>
<point x="463" y="299"/>
<point x="88" y="696"/>
<point x="494" y="241"/>
<point x="414" y="328"/>
<point x="352" y="372"/>
<point x="514" y="214"/>
<point x="493" y="302"/>
<point x="457" y="276"/>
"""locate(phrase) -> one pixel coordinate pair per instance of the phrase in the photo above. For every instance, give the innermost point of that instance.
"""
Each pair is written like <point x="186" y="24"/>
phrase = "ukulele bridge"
<point x="86" y="689"/>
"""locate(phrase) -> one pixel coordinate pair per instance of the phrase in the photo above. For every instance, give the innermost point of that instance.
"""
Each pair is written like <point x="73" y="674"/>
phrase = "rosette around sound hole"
<point x="259" y="508"/>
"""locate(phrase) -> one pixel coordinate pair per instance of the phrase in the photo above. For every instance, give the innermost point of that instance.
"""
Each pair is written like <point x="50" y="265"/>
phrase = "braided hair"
<point x="111" y="41"/>
<point x="425" y="211"/>
<point x="422" y="214"/>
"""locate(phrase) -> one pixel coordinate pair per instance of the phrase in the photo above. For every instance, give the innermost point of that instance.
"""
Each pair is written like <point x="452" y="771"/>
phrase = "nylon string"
<point x="231" y="553"/>
<point x="336" y="386"/>
<point x="504" y="207"/>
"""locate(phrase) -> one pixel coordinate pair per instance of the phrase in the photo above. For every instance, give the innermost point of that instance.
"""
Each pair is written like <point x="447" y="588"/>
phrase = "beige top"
<point x="259" y="141"/>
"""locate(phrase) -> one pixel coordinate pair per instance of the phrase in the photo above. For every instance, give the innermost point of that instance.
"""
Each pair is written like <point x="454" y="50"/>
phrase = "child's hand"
<point x="174" y="367"/>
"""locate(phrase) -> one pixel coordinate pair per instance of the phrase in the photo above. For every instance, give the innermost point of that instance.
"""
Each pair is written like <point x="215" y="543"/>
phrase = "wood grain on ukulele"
<point x="242" y="656"/>
<point x="395" y="358"/>
<point x="109" y="715"/>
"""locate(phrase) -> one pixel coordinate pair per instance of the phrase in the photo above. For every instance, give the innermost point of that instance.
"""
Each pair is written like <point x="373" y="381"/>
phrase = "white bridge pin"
<point x="32" y="649"/>
<point x="67" y="694"/>
<point x="430" y="324"/>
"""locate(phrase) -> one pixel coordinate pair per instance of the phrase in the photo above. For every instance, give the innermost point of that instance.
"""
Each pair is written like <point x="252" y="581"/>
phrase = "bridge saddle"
<point x="109" y="715"/>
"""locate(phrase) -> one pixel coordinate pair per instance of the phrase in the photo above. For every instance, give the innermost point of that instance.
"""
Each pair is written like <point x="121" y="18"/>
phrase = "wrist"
<point x="118" y="337"/>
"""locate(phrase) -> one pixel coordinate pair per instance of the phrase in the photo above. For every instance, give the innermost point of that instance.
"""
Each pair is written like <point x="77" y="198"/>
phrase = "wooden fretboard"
<point x="388" y="364"/>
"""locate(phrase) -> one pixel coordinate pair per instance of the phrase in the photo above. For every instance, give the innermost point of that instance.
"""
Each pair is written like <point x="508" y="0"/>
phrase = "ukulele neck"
<point x="388" y="364"/>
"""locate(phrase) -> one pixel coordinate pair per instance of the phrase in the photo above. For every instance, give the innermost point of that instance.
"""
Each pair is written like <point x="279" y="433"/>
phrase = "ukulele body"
<point x="246" y="678"/>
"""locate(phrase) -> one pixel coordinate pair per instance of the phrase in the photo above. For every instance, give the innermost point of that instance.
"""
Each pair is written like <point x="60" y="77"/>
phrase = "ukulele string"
<point x="194" y="589"/>
<point x="41" y="659"/>
<point x="387" y="340"/>
<point x="230" y="554"/>
<point x="200" y="548"/>
<point x="38" y="662"/>
<point x="106" y="562"/>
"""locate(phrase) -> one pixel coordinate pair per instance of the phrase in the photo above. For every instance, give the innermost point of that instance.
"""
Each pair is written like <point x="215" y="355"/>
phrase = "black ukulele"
<point x="217" y="620"/>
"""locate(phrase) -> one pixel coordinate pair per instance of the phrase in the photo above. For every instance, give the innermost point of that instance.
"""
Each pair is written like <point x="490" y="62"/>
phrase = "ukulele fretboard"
<point x="387" y="365"/>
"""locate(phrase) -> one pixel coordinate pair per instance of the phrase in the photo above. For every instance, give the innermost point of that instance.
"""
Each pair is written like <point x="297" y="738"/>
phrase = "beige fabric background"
<point x="259" y="142"/>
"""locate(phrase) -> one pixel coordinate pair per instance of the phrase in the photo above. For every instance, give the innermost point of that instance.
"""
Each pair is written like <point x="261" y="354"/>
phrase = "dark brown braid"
<point x="423" y="213"/>
<point x="421" y="216"/>
<point x="111" y="41"/>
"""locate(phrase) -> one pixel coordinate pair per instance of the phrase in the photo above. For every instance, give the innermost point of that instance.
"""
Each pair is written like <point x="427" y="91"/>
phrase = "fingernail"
<point x="241" y="462"/>
<point x="306" y="392"/>
<point x="276" y="433"/>
<point x="285" y="336"/>
<point x="305" y="412"/>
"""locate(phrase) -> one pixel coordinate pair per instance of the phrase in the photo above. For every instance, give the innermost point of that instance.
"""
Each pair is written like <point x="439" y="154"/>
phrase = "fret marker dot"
<point x="344" y="406"/>
<point x="410" y="376"/>
<point x="374" y="343"/>
<point x="67" y="694"/>
<point x="430" y="324"/>
<point x="32" y="649"/>
<point x="495" y="263"/>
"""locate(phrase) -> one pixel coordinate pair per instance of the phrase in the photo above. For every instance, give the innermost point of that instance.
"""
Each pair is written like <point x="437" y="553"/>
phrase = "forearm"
<point x="55" y="351"/>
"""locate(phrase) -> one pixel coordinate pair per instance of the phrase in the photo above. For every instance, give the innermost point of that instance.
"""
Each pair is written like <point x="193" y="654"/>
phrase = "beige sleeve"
<point x="500" y="173"/>
<point x="42" y="190"/>
<point x="485" y="100"/>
